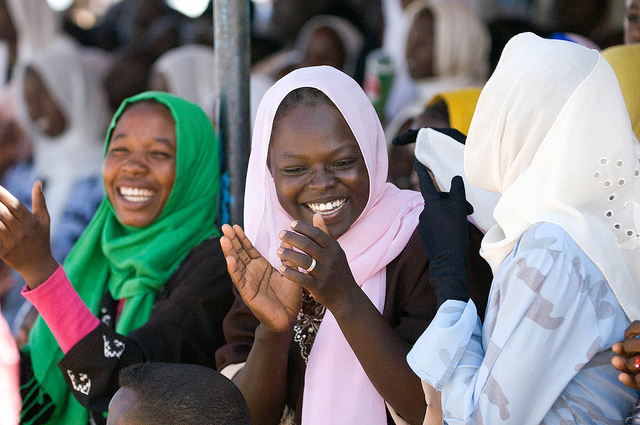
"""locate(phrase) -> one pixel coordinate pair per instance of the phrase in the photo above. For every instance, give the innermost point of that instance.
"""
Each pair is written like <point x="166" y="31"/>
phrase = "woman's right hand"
<point x="627" y="360"/>
<point x="24" y="236"/>
<point x="273" y="299"/>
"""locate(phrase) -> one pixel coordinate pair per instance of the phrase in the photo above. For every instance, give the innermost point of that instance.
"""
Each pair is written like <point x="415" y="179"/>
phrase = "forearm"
<point x="62" y="309"/>
<point x="382" y="354"/>
<point x="263" y="379"/>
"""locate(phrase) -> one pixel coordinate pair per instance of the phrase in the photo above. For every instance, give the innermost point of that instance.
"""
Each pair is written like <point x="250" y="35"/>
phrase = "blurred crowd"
<point x="421" y="63"/>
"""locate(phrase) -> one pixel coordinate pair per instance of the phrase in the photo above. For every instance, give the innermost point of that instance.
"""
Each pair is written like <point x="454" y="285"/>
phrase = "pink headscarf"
<point x="337" y="390"/>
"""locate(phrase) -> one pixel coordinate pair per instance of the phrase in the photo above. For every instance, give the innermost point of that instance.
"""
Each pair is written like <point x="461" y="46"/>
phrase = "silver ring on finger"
<point x="312" y="266"/>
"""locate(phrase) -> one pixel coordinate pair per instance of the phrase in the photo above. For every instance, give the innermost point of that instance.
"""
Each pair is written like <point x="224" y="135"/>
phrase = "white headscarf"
<point x="443" y="155"/>
<point x="461" y="47"/>
<point x="37" y="25"/>
<point x="188" y="71"/>
<point x="551" y="133"/>
<point x="78" y="151"/>
<point x="337" y="390"/>
<point x="461" y="38"/>
<point x="349" y="34"/>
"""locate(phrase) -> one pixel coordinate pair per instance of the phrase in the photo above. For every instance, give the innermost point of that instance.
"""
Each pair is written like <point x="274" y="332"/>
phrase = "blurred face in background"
<point x="324" y="48"/>
<point x="41" y="106"/>
<point x="420" y="51"/>
<point x="632" y="22"/>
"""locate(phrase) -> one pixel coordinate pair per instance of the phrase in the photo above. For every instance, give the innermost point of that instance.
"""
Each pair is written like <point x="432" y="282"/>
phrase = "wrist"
<point x="41" y="273"/>
<point x="264" y="334"/>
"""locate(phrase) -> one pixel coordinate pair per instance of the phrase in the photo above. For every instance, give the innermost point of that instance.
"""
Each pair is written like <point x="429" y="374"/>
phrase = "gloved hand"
<point x="410" y="136"/>
<point x="444" y="235"/>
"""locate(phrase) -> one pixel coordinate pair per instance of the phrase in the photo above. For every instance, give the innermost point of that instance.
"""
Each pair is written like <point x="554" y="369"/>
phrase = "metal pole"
<point x="232" y="65"/>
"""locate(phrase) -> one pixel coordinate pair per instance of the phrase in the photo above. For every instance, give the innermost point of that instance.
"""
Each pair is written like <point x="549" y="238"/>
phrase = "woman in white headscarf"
<point x="446" y="47"/>
<point x="68" y="143"/>
<point x="552" y="135"/>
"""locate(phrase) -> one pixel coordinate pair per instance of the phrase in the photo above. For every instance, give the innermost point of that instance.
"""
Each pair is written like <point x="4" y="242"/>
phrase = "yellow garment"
<point x="625" y="61"/>
<point x="461" y="104"/>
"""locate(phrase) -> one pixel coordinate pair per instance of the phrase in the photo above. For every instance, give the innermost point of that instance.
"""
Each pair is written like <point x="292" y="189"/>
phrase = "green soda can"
<point x="378" y="76"/>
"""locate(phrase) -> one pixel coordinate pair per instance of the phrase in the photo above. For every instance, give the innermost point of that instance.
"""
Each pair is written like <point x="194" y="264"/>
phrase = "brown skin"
<point x="324" y="48"/>
<point x="24" y="237"/>
<point x="121" y="405"/>
<point x="319" y="164"/>
<point x="141" y="155"/>
<point x="140" y="148"/>
<point x="632" y="22"/>
<point x="420" y="50"/>
<point x="41" y="105"/>
<point x="626" y="356"/>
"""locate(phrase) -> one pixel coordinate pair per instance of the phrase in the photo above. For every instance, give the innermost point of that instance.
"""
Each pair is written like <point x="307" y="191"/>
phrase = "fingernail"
<point x="282" y="267"/>
<point x="281" y="234"/>
<point x="293" y="224"/>
<point x="280" y="251"/>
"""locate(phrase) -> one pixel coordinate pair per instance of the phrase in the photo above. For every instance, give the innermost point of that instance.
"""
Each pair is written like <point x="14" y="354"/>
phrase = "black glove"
<point x="444" y="235"/>
<point x="410" y="136"/>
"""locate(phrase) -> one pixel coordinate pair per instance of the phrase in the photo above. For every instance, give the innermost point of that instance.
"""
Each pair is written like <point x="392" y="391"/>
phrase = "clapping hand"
<point x="24" y="236"/>
<point x="273" y="298"/>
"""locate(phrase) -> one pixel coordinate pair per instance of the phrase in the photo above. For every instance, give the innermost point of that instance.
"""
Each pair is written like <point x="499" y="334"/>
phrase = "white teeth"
<point x="327" y="207"/>
<point x="135" y="194"/>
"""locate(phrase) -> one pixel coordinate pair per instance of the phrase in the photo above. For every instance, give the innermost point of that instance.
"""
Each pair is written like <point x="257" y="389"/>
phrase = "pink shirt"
<point x="62" y="309"/>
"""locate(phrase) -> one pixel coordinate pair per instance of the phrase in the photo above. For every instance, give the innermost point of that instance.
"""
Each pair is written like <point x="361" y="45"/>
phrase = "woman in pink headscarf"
<point x="333" y="291"/>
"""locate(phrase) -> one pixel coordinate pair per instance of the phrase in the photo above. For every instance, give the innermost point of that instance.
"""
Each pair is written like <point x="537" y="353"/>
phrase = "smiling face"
<point x="140" y="166"/>
<point x="317" y="167"/>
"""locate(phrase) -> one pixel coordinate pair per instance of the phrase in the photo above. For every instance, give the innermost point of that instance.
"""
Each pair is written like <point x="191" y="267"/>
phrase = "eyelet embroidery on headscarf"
<point x="627" y="214"/>
<point x="307" y="324"/>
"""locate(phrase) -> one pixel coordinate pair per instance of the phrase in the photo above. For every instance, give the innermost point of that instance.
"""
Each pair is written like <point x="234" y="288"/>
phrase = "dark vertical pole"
<point x="232" y="56"/>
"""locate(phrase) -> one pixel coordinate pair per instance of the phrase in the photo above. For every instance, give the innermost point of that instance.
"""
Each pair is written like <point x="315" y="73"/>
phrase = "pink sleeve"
<point x="62" y="309"/>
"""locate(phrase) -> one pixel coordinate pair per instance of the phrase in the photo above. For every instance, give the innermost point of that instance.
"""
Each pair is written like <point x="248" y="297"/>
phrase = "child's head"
<point x="176" y="394"/>
<point x="316" y="162"/>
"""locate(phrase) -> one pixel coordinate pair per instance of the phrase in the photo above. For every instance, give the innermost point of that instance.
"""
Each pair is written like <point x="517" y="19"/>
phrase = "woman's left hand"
<point x="627" y="360"/>
<point x="24" y="236"/>
<point x="328" y="277"/>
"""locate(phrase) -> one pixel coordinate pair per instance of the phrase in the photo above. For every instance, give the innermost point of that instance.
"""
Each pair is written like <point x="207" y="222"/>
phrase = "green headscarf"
<point x="135" y="263"/>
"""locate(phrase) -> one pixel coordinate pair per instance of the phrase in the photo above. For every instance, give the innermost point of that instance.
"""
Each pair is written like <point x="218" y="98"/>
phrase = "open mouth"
<point x="135" y="194"/>
<point x="326" y="208"/>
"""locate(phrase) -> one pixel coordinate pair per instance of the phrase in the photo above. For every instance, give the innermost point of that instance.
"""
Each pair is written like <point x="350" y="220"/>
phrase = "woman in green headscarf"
<point x="146" y="281"/>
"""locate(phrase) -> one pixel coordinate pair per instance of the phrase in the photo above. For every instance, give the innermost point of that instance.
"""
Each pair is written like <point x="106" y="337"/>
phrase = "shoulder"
<point x="547" y="253"/>
<point x="550" y="241"/>
<point x="205" y="265"/>
<point x="208" y="250"/>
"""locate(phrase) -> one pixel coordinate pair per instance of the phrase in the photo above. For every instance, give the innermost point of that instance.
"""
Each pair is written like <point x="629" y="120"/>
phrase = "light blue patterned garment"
<point x="544" y="353"/>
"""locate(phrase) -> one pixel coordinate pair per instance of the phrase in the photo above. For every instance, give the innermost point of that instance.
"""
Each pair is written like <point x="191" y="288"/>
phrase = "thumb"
<point x="38" y="203"/>
<point x="318" y="222"/>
